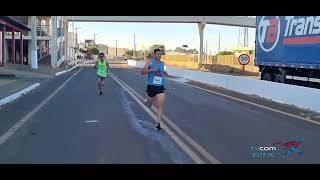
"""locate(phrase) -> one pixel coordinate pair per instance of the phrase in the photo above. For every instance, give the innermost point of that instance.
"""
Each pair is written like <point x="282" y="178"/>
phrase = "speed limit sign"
<point x="244" y="59"/>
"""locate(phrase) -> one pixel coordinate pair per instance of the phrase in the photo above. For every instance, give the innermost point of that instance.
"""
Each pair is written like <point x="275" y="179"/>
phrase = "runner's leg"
<point x="160" y="101"/>
<point x="149" y="101"/>
<point x="150" y="97"/>
<point x="102" y="82"/>
<point x="99" y="83"/>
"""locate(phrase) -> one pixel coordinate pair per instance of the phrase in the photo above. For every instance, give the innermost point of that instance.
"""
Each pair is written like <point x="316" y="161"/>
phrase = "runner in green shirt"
<point x="103" y="69"/>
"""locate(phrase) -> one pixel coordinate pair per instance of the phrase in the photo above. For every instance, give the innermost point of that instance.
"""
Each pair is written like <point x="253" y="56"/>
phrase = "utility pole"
<point x="116" y="48"/>
<point x="246" y="36"/>
<point x="239" y="37"/>
<point x="76" y="43"/>
<point x="94" y="39"/>
<point x="206" y="51"/>
<point x="77" y="36"/>
<point x="219" y="44"/>
<point x="134" y="45"/>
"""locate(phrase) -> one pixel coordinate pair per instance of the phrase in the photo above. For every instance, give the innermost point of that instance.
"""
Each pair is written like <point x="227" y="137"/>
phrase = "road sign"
<point x="244" y="59"/>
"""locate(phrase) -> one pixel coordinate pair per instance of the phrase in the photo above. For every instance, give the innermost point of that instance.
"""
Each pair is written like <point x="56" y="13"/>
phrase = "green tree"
<point x="156" y="46"/>
<point x="150" y="54"/>
<point x="225" y="53"/>
<point x="179" y="49"/>
<point x="183" y="50"/>
<point x="93" y="50"/>
<point x="129" y="53"/>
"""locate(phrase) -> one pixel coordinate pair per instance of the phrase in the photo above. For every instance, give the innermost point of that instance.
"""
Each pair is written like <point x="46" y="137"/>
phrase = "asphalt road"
<point x="78" y="126"/>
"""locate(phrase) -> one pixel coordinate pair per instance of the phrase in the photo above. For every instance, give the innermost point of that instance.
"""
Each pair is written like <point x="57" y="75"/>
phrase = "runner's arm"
<point x="144" y="70"/>
<point x="96" y="65"/>
<point x="107" y="65"/>
<point x="165" y="70"/>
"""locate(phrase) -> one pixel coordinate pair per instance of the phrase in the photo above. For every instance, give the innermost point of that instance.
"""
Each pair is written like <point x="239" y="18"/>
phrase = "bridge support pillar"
<point x="54" y="42"/>
<point x="33" y="47"/>
<point x="200" y="53"/>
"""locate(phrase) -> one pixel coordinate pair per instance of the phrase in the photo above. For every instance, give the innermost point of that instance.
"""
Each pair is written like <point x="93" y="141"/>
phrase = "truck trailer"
<point x="288" y="49"/>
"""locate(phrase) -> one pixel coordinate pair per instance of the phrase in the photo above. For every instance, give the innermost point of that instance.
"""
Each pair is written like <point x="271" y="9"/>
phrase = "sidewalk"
<point x="11" y="86"/>
<point x="45" y="71"/>
<point x="15" y="77"/>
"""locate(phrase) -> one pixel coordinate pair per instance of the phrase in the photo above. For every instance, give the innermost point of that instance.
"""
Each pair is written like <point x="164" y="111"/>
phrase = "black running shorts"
<point x="154" y="90"/>
<point x="101" y="78"/>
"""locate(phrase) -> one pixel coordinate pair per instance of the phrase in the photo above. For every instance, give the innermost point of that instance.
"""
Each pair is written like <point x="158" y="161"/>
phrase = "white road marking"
<point x="254" y="104"/>
<point x="91" y="121"/>
<point x="20" y="123"/>
<point x="197" y="146"/>
<point x="258" y="105"/>
<point x="179" y="131"/>
<point x="62" y="72"/>
<point x="183" y="146"/>
<point x="18" y="94"/>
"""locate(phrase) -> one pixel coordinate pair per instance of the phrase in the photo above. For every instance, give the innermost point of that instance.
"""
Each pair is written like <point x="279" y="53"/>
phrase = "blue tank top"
<point x="156" y="78"/>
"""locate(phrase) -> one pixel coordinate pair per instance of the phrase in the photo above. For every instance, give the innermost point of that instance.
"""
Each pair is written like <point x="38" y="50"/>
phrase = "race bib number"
<point x="157" y="80"/>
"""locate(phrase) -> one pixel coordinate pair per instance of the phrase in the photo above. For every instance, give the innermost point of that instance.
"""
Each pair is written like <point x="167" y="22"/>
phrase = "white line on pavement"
<point x="91" y="121"/>
<point x="251" y="103"/>
<point x="19" y="124"/>
<point x="62" y="72"/>
<point x="258" y="105"/>
<point x="205" y="153"/>
<point x="18" y="94"/>
<point x="183" y="146"/>
<point x="197" y="146"/>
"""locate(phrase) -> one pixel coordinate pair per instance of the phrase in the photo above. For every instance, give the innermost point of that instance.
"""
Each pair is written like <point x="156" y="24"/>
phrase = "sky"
<point x="171" y="35"/>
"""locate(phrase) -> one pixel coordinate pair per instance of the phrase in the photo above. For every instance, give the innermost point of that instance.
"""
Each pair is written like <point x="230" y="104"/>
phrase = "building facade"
<point x="46" y="40"/>
<point x="117" y="53"/>
<point x="12" y="33"/>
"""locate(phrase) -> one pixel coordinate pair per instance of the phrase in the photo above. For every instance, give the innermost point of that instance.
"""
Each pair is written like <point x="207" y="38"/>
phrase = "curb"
<point x="18" y="94"/>
<point x="62" y="72"/>
<point x="7" y="75"/>
<point x="89" y="62"/>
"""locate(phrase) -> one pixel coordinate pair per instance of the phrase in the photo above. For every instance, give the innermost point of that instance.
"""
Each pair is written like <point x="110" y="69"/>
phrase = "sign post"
<point x="244" y="59"/>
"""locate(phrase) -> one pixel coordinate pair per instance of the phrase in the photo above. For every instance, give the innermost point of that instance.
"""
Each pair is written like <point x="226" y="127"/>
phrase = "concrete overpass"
<point x="200" y="20"/>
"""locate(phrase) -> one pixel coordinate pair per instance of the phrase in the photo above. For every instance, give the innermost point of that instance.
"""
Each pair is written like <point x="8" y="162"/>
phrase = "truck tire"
<point x="280" y="78"/>
<point x="267" y="76"/>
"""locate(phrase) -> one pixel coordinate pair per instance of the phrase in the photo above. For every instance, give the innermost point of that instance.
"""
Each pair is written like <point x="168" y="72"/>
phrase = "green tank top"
<point x="102" y="69"/>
